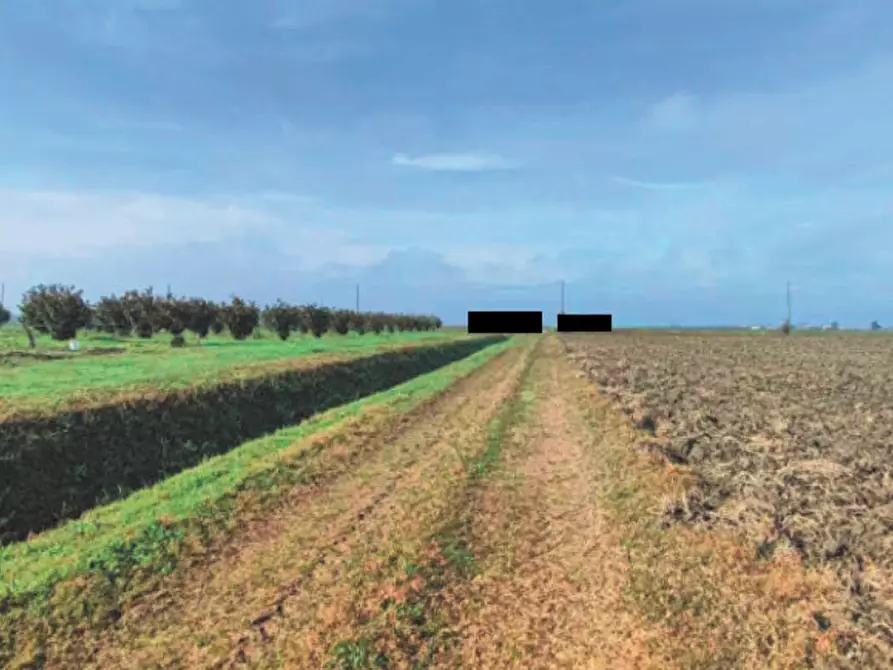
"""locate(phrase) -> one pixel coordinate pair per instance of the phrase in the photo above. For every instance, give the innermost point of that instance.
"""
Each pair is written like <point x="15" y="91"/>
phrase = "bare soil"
<point x="790" y="443"/>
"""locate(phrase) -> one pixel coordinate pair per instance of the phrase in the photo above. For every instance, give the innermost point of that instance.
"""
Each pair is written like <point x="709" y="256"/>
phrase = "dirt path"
<point x="548" y="591"/>
<point x="281" y="595"/>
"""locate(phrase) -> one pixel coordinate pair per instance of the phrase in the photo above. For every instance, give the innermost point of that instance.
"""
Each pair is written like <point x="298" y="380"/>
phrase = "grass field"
<point x="636" y="500"/>
<point x="154" y="365"/>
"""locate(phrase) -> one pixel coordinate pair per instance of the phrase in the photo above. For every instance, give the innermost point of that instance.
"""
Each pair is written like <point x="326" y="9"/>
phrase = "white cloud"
<point x="471" y="162"/>
<point x="491" y="264"/>
<point x="78" y="224"/>
<point x="334" y="251"/>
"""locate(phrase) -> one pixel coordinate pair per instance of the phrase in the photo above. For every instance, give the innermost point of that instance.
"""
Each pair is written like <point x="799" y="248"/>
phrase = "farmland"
<point x="433" y="500"/>
<point x="790" y="441"/>
<point x="28" y="385"/>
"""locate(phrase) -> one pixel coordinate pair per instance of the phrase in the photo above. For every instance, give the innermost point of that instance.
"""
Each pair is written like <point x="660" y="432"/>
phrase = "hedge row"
<point x="61" y="311"/>
<point x="56" y="468"/>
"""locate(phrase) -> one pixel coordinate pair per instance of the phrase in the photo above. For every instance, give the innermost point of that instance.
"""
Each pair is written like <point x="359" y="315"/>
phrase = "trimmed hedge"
<point x="53" y="469"/>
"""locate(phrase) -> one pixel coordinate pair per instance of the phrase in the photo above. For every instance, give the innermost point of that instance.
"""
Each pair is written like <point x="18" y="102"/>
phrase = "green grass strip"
<point x="127" y="535"/>
<point x="50" y="384"/>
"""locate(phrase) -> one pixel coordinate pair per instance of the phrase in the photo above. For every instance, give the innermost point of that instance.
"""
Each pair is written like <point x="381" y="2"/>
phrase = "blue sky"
<point x="675" y="161"/>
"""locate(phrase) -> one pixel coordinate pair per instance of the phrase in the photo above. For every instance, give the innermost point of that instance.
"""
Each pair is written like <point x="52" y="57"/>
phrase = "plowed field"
<point x="790" y="441"/>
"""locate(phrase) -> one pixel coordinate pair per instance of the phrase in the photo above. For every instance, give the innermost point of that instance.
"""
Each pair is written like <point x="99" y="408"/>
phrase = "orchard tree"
<point x="377" y="322"/>
<point x="57" y="310"/>
<point x="140" y="309"/>
<point x="242" y="318"/>
<point x="359" y="322"/>
<point x="200" y="315"/>
<point x="280" y="318"/>
<point x="319" y="319"/>
<point x="110" y="316"/>
<point x="341" y="321"/>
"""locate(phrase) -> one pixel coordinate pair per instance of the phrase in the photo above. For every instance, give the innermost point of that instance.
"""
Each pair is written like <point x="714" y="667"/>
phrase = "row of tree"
<point x="61" y="311"/>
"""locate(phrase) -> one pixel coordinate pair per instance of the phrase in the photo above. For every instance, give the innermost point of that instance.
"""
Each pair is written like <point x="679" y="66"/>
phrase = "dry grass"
<point x="549" y="588"/>
<point x="295" y="584"/>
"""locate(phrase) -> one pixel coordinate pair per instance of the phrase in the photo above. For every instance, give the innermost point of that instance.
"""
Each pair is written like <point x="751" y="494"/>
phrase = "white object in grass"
<point x="73" y="345"/>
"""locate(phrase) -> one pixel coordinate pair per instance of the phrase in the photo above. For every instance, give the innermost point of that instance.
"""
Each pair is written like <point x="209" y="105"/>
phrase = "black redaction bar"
<point x="491" y="322"/>
<point x="584" y="323"/>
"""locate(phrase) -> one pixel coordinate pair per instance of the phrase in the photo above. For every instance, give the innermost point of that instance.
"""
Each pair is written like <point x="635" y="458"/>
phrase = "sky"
<point x="673" y="161"/>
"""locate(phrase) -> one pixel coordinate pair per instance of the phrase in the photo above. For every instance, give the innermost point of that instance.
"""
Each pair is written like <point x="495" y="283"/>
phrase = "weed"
<point x="356" y="655"/>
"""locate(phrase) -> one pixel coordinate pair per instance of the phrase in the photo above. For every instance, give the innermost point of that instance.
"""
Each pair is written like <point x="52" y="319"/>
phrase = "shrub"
<point x="57" y="310"/>
<point x="5" y="316"/>
<point x="241" y="318"/>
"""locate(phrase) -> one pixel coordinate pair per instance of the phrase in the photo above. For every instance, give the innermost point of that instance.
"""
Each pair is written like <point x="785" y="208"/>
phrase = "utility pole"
<point x="358" y="298"/>
<point x="789" y="301"/>
<point x="562" y="296"/>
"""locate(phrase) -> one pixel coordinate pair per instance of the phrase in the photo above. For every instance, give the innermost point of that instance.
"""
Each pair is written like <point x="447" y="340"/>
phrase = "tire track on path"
<point x="278" y="595"/>
<point x="548" y="594"/>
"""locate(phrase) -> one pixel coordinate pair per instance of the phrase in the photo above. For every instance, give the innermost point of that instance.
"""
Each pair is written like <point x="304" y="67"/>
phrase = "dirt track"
<point x="511" y="524"/>
<point x="292" y="586"/>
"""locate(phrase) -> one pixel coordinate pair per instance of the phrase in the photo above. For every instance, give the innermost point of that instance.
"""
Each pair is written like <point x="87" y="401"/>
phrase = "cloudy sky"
<point x="675" y="161"/>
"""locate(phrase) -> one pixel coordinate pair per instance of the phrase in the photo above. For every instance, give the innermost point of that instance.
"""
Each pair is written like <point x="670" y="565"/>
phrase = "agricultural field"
<point x="108" y="367"/>
<point x="790" y="443"/>
<point x="452" y="502"/>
